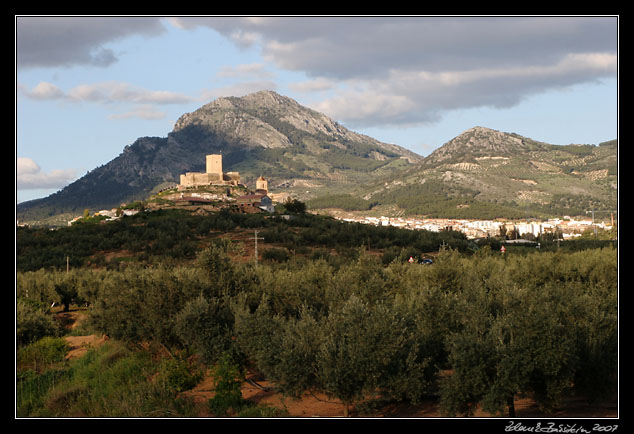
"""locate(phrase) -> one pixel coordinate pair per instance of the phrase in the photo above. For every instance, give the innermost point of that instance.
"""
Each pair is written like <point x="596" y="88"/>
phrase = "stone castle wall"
<point x="212" y="176"/>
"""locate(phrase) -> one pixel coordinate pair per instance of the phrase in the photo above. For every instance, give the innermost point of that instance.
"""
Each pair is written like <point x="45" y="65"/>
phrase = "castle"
<point x="213" y="175"/>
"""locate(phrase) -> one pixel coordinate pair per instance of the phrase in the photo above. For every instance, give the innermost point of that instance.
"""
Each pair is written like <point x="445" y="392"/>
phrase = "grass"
<point x="109" y="381"/>
<point x="112" y="380"/>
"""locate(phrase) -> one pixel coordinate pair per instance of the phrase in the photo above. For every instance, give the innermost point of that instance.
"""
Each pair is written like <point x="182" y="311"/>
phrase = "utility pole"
<point x="255" y="238"/>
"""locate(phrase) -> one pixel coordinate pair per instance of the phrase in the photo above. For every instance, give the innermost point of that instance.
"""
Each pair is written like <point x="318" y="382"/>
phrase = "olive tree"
<point x="516" y="342"/>
<point x="283" y="349"/>
<point x="206" y="327"/>
<point x="364" y="350"/>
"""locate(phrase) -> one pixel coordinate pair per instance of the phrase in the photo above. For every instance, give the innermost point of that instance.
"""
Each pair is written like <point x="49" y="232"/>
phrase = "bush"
<point x="252" y="411"/>
<point x="33" y="323"/>
<point x="41" y="354"/>
<point x="228" y="384"/>
<point x="275" y="254"/>
<point x="176" y="376"/>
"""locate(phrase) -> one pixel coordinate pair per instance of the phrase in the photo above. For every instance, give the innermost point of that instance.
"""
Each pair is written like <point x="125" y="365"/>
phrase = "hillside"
<point x="484" y="173"/>
<point x="260" y="134"/>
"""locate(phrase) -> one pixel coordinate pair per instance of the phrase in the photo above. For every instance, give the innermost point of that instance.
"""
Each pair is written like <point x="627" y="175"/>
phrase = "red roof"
<point x="252" y="196"/>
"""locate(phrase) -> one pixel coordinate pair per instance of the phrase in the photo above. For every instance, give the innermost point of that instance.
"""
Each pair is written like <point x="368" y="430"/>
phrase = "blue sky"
<point x="88" y="86"/>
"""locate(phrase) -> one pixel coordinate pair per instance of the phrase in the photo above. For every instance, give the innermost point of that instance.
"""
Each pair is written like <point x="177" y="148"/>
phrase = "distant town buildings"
<point x="567" y="228"/>
<point x="255" y="203"/>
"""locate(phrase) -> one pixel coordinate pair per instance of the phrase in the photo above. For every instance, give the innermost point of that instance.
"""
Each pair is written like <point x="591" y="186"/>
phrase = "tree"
<point x="216" y="262"/>
<point x="206" y="327"/>
<point x="283" y="349"/>
<point x="67" y="291"/>
<point x="295" y="206"/>
<point x="515" y="342"/>
<point x="358" y="345"/>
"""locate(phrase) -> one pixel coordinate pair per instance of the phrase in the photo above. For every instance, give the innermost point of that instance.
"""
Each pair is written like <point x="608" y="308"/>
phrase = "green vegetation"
<point x="112" y="381"/>
<point x="176" y="236"/>
<point x="346" y="202"/>
<point x="437" y="199"/>
<point x="365" y="327"/>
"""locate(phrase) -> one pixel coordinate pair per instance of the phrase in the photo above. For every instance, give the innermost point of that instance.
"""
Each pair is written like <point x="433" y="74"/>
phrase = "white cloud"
<point x="115" y="91"/>
<point x="111" y="92"/>
<point x="316" y="85"/>
<point x="245" y="71"/>
<point x="106" y="92"/>
<point x="143" y="112"/>
<point x="44" y="91"/>
<point x="407" y="70"/>
<point x="26" y="166"/>
<point x="29" y="176"/>
<point x="87" y="92"/>
<point x="419" y="97"/>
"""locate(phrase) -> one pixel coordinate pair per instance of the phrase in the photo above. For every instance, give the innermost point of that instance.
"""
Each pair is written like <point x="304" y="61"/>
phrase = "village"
<point x="564" y="228"/>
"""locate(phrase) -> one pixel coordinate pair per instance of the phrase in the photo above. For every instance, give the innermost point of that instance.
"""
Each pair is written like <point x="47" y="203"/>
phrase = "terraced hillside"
<point x="483" y="173"/>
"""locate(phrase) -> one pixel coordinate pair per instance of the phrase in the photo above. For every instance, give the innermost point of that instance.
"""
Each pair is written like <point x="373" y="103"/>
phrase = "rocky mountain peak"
<point x="482" y="141"/>
<point x="269" y="120"/>
<point x="267" y="98"/>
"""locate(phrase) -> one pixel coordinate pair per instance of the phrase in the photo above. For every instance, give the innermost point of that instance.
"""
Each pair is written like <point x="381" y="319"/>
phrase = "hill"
<point x="484" y="173"/>
<point x="259" y="134"/>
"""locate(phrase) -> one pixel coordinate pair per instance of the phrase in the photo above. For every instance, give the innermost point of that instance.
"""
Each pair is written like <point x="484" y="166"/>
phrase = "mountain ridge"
<point x="488" y="173"/>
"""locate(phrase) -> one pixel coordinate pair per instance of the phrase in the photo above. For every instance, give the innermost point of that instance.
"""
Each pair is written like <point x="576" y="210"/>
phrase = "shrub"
<point x="228" y="383"/>
<point x="41" y="354"/>
<point x="275" y="254"/>
<point x="252" y="411"/>
<point x="176" y="376"/>
<point x="33" y="323"/>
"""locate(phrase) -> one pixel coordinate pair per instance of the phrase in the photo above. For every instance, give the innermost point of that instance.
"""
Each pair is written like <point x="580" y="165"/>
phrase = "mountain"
<point x="259" y="134"/>
<point x="484" y="173"/>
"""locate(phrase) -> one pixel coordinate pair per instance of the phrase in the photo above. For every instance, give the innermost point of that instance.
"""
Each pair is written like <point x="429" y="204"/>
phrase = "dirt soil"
<point x="262" y="392"/>
<point x="319" y="405"/>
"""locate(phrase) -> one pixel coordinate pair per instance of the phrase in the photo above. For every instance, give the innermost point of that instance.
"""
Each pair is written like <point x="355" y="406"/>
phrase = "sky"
<point x="87" y="86"/>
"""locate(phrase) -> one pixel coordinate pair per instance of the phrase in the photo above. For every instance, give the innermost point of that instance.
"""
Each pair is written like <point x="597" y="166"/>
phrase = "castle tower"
<point x="261" y="184"/>
<point x="214" y="164"/>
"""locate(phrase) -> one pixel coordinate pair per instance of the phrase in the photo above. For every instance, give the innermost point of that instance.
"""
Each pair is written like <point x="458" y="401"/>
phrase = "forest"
<point x="334" y="308"/>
